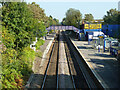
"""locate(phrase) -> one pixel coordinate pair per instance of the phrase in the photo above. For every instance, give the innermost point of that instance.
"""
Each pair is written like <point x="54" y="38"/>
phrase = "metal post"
<point x="99" y="47"/>
<point x="88" y="40"/>
<point x="54" y="28"/>
<point x="79" y="35"/>
<point x="99" y="42"/>
<point x="110" y="47"/>
<point x="104" y="43"/>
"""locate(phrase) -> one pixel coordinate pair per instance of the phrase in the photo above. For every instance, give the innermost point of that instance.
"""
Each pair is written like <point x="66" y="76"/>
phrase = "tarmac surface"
<point x="104" y="66"/>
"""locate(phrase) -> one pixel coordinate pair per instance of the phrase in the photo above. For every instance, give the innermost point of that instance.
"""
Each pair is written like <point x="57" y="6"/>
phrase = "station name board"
<point x="92" y="26"/>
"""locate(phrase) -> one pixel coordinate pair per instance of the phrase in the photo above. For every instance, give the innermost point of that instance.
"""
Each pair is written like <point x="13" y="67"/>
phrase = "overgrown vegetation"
<point x="39" y="43"/>
<point x="39" y="54"/>
<point x="20" y="26"/>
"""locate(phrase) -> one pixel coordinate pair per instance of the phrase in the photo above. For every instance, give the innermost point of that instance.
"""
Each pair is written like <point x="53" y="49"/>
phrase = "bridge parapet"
<point x="63" y="28"/>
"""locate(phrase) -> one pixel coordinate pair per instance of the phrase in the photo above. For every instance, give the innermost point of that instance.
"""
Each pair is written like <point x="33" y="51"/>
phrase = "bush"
<point x="51" y="31"/>
<point x="14" y="69"/>
<point x="27" y="58"/>
<point x="39" y="43"/>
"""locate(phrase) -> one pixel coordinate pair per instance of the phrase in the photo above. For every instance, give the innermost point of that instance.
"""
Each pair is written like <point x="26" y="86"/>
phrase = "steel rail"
<point x="84" y="69"/>
<point x="57" y="61"/>
<point x="69" y="62"/>
<point x="45" y="75"/>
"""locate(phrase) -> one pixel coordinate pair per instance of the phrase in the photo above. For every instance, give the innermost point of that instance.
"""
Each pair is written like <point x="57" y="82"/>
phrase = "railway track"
<point x="81" y="75"/>
<point x="51" y="73"/>
<point x="77" y="77"/>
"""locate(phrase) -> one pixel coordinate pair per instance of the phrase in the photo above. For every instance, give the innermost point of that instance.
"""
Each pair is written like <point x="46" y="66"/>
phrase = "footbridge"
<point x="63" y="28"/>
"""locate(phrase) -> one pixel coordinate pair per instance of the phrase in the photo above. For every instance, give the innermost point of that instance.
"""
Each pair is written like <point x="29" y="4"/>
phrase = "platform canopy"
<point x="63" y="28"/>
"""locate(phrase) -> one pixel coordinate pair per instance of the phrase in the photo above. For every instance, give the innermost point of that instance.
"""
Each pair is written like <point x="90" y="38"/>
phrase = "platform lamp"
<point x="99" y="41"/>
<point x="104" y="43"/>
<point x="98" y="38"/>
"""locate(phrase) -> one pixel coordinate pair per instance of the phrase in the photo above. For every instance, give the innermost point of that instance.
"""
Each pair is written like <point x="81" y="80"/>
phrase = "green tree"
<point x="73" y="17"/>
<point x="112" y="17"/>
<point x="21" y="23"/>
<point x="17" y="17"/>
<point x="38" y="12"/>
<point x="56" y="21"/>
<point x="89" y="17"/>
<point x="53" y="21"/>
<point x="19" y="29"/>
<point x="63" y="21"/>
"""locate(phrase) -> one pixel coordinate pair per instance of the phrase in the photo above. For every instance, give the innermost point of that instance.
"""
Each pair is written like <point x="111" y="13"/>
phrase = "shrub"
<point x="39" y="43"/>
<point x="14" y="69"/>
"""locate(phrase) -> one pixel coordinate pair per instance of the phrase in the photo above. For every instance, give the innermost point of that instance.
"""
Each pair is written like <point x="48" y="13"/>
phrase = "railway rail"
<point x="80" y="74"/>
<point x="76" y="74"/>
<point x="51" y="73"/>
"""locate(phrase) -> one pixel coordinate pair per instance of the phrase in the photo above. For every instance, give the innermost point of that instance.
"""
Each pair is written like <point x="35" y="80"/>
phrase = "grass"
<point x="39" y="43"/>
<point x="38" y="54"/>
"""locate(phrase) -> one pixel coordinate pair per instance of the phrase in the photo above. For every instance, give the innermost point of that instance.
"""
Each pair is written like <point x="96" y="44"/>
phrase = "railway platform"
<point x="104" y="66"/>
<point x="39" y="64"/>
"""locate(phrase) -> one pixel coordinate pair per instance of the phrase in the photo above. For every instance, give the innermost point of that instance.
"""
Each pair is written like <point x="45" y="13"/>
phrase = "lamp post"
<point x="104" y="43"/>
<point x="98" y="38"/>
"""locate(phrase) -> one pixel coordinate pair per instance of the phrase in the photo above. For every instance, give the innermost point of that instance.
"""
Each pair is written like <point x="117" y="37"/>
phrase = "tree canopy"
<point x="21" y="23"/>
<point x="20" y="26"/>
<point x="89" y="17"/>
<point x="39" y="14"/>
<point x="73" y="17"/>
<point x="112" y="17"/>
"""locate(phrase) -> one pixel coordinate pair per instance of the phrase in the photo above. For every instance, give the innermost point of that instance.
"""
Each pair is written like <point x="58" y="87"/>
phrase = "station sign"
<point x="100" y="36"/>
<point x="92" y="26"/>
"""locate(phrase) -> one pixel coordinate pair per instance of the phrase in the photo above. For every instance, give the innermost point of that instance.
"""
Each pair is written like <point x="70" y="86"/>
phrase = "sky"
<point x="57" y="9"/>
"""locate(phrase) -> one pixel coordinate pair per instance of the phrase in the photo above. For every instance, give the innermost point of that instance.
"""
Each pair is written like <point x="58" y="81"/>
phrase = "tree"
<point x="53" y="21"/>
<point x="112" y="17"/>
<point x="73" y="17"/>
<point x="89" y="17"/>
<point x="38" y="13"/>
<point x="16" y="17"/>
<point x="21" y="23"/>
<point x="63" y="21"/>
<point x="19" y="29"/>
<point x="56" y="21"/>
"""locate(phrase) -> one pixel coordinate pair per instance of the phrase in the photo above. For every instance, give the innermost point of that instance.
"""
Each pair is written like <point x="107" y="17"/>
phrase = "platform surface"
<point x="103" y="64"/>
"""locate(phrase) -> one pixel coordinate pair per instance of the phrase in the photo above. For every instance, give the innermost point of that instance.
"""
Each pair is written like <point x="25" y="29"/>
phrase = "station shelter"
<point x="94" y="35"/>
